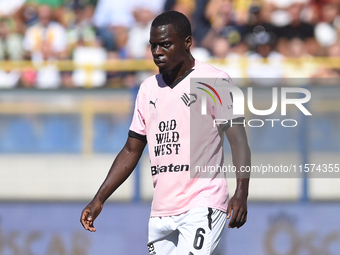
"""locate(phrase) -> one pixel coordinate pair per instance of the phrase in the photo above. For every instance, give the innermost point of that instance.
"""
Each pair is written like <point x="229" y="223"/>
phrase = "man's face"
<point x="167" y="47"/>
<point x="44" y="13"/>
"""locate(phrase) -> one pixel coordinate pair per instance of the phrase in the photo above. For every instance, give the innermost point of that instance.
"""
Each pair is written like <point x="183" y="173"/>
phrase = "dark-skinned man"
<point x="190" y="207"/>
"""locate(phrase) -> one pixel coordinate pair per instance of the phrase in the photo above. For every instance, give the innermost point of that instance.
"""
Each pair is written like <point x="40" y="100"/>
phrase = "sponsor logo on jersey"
<point x="168" y="140"/>
<point x="189" y="99"/>
<point x="169" y="168"/>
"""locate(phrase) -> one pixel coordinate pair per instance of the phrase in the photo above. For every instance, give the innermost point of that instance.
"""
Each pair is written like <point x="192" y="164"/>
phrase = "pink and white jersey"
<point x="162" y="114"/>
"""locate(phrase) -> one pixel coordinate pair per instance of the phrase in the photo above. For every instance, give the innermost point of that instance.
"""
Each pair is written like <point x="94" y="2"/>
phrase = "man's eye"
<point x="166" y="45"/>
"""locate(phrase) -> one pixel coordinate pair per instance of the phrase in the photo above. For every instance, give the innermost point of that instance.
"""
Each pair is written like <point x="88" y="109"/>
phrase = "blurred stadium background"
<point x="69" y="73"/>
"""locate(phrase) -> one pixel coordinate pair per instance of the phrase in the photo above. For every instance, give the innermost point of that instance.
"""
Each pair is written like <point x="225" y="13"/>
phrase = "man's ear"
<point x="188" y="42"/>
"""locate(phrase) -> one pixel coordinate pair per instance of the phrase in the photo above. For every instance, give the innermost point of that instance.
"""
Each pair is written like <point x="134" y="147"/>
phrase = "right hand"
<point x="89" y="214"/>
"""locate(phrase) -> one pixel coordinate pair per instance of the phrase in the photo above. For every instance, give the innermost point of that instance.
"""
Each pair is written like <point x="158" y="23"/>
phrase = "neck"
<point x="179" y="70"/>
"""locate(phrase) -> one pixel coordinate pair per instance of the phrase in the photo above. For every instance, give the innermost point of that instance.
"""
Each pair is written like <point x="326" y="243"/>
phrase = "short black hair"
<point x="178" y="20"/>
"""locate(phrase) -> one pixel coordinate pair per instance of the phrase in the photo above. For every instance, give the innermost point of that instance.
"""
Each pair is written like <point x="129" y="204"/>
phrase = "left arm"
<point x="241" y="158"/>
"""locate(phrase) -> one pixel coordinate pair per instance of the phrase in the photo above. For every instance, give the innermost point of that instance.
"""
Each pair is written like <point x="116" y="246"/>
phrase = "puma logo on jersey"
<point x="153" y="103"/>
<point x="189" y="100"/>
<point x="227" y="80"/>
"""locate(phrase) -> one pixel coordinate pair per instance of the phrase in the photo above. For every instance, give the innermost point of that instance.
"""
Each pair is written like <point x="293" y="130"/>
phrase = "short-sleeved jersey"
<point x="162" y="115"/>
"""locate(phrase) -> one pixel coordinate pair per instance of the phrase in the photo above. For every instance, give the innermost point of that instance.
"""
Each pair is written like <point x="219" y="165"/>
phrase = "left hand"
<point x="237" y="210"/>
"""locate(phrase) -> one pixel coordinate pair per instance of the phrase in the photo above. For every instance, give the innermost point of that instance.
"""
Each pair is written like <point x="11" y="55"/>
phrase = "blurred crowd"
<point x="266" y="33"/>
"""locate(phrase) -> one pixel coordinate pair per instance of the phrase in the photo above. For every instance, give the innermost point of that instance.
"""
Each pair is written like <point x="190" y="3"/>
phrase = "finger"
<point x="90" y="226"/>
<point x="240" y="224"/>
<point x="233" y="218"/>
<point x="229" y="209"/>
<point x="87" y="220"/>
<point x="243" y="219"/>
<point x="83" y="217"/>
<point x="239" y="218"/>
<point x="84" y="214"/>
<point x="89" y="217"/>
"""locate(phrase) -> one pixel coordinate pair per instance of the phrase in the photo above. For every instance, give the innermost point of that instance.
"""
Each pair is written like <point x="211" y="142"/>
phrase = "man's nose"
<point x="157" y="50"/>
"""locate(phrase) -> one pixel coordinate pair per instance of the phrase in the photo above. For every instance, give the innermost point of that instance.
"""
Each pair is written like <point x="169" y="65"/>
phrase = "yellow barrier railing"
<point x="148" y="65"/>
<point x="293" y="67"/>
<point x="69" y="65"/>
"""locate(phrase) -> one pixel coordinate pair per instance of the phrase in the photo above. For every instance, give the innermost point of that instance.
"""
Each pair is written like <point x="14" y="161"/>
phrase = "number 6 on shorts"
<point x="199" y="239"/>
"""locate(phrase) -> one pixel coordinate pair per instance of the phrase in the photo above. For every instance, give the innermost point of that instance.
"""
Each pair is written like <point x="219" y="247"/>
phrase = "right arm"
<point x="120" y="170"/>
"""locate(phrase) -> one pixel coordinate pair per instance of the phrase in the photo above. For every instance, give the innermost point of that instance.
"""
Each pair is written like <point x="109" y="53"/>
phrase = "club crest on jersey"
<point x="189" y="99"/>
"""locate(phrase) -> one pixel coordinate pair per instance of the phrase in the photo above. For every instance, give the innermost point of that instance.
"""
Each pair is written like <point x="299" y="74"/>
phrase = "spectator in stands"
<point x="112" y="19"/>
<point x="28" y="77"/>
<point x="328" y="11"/>
<point x="229" y="60"/>
<point x="57" y="10"/>
<point x="260" y="21"/>
<point x="139" y="34"/>
<point x="220" y="15"/>
<point x="333" y="52"/>
<point x="95" y="56"/>
<point x="80" y="28"/>
<point x="27" y="16"/>
<point x="328" y="27"/>
<point x="137" y="44"/>
<point x="201" y="25"/>
<point x="297" y="29"/>
<point x="138" y="37"/>
<point x="10" y="49"/>
<point x="9" y="78"/>
<point x="11" y="9"/>
<point x="220" y="48"/>
<point x="264" y="61"/>
<point x="186" y="7"/>
<point x="80" y="32"/>
<point x="10" y="40"/>
<point x="45" y="31"/>
<point x="299" y="67"/>
<point x="48" y="76"/>
<point x="199" y="53"/>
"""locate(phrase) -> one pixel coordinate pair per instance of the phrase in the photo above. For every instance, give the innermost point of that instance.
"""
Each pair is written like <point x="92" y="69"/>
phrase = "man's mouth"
<point x="159" y="62"/>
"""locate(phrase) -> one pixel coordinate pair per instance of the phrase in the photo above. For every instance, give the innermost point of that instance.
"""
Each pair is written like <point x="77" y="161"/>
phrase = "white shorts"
<point x="196" y="232"/>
